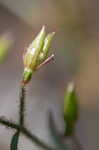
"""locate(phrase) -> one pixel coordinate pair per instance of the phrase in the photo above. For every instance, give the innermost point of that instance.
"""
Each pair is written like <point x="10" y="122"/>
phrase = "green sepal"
<point x="70" y="110"/>
<point x="27" y="75"/>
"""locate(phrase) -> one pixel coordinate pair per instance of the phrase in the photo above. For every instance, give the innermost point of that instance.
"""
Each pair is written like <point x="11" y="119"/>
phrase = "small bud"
<point x="36" y="54"/>
<point x="6" y="41"/>
<point x="70" y="109"/>
<point x="32" y="54"/>
<point x="47" y="43"/>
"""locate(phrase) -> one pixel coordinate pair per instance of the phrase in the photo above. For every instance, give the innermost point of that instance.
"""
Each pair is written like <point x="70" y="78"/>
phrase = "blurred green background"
<point x="75" y="45"/>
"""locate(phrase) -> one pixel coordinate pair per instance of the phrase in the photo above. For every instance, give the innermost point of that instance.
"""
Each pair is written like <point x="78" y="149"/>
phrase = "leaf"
<point x="14" y="141"/>
<point x="54" y="133"/>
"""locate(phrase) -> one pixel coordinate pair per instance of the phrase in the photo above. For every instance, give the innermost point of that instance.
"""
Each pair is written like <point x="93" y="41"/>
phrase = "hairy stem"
<point x="22" y="105"/>
<point x="9" y="124"/>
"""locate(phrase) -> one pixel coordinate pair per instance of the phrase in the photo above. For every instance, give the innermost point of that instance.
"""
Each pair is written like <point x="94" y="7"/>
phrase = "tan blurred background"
<point x="75" y="45"/>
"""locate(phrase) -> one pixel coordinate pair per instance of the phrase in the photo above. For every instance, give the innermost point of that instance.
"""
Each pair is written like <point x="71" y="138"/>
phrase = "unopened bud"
<point x="36" y="54"/>
<point x="6" y="41"/>
<point x="70" y="109"/>
<point x="47" y="43"/>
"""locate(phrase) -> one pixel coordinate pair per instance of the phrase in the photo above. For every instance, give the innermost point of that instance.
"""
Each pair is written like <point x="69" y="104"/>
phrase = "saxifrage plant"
<point x="36" y="56"/>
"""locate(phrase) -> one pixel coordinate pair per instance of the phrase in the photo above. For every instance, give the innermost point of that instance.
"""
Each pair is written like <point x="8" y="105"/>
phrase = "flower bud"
<point x="70" y="109"/>
<point x="36" y="54"/>
<point x="6" y="41"/>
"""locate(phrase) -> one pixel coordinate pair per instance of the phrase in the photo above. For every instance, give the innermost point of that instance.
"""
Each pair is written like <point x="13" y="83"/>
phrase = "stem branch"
<point x="36" y="140"/>
<point x="27" y="133"/>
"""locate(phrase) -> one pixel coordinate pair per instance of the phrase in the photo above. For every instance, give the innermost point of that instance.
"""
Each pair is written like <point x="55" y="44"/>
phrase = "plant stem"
<point x="27" y="133"/>
<point x="14" y="141"/>
<point x="22" y="105"/>
<point x="36" y="140"/>
<point x="9" y="124"/>
<point x="76" y="142"/>
<point x="20" y="127"/>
